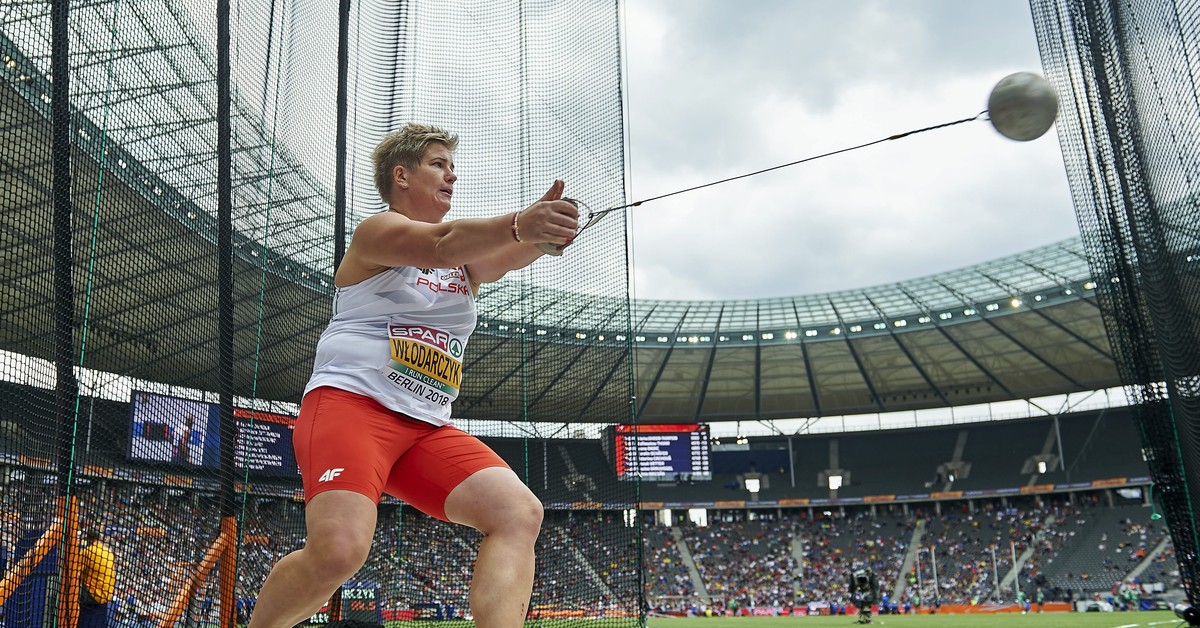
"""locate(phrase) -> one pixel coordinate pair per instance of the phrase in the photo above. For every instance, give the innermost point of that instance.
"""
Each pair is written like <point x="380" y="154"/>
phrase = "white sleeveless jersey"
<point x="399" y="337"/>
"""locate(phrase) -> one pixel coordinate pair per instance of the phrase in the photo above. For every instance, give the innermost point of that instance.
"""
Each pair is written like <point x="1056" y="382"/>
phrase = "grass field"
<point x="1002" y="620"/>
<point x="1165" y="619"/>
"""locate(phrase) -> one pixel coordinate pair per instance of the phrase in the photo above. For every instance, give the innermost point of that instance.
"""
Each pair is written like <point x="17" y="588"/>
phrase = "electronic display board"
<point x="264" y="442"/>
<point x="186" y="433"/>
<point x="180" y="431"/>
<point x="666" y="452"/>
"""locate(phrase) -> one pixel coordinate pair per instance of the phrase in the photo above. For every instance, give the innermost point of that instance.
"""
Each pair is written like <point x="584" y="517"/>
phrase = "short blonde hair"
<point x="405" y="148"/>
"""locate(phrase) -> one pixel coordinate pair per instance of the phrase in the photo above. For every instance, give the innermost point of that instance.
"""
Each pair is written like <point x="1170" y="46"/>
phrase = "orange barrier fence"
<point x="22" y="567"/>
<point x="69" y="565"/>
<point x="216" y="552"/>
<point x="227" y="582"/>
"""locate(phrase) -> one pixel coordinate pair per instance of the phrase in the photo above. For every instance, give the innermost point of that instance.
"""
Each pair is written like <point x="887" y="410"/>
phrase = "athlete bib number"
<point x="425" y="362"/>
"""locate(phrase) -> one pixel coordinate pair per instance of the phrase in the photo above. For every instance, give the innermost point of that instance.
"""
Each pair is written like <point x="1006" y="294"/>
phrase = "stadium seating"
<point x="745" y="558"/>
<point x="1109" y="543"/>
<point x="668" y="581"/>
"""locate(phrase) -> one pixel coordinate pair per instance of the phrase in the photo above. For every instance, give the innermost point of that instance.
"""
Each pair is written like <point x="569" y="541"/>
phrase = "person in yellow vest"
<point x="98" y="579"/>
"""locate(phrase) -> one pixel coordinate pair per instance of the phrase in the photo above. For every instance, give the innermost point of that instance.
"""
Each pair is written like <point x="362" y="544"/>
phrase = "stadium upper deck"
<point x="1013" y="328"/>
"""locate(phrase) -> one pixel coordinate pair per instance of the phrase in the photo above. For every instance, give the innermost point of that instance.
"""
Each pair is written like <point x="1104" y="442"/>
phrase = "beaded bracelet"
<point x="515" y="230"/>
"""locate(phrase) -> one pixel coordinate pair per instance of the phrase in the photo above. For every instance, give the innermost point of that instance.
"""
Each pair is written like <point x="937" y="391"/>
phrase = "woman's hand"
<point x="550" y="219"/>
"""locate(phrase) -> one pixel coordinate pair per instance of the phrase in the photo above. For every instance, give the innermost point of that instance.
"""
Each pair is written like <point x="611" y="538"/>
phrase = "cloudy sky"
<point x="717" y="89"/>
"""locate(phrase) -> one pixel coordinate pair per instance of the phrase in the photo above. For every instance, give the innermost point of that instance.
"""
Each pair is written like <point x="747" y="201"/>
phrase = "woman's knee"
<point x="527" y="514"/>
<point x="496" y="502"/>
<point x="339" y="557"/>
<point x="341" y="527"/>
<point x="520" y="518"/>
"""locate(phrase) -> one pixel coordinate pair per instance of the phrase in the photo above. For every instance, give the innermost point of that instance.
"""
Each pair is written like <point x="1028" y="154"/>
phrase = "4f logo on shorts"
<point x="330" y="474"/>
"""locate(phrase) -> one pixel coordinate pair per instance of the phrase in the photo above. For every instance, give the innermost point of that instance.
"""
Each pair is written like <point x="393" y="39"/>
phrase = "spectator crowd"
<point x="741" y="561"/>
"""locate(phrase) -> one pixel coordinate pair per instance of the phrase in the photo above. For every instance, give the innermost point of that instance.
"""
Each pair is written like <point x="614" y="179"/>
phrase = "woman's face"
<point x="431" y="184"/>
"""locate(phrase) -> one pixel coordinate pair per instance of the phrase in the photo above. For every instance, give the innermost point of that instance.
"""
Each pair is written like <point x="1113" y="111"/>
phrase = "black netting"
<point x="1130" y="131"/>
<point x="163" y="290"/>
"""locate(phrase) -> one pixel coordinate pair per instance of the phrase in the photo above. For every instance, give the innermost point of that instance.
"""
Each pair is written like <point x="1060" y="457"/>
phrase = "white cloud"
<point x="719" y="90"/>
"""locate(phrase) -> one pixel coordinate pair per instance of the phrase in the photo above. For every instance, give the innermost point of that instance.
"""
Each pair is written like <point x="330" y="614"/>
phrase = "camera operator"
<point x="864" y="590"/>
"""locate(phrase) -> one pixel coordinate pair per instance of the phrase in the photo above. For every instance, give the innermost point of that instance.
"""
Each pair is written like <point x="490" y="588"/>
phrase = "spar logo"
<point x="433" y="337"/>
<point x="422" y="357"/>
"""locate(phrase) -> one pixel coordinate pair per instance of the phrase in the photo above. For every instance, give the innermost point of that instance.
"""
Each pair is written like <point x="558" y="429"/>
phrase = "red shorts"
<point x="346" y="441"/>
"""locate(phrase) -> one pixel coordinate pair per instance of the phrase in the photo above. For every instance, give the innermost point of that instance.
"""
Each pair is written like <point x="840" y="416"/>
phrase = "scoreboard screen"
<point x="264" y="443"/>
<point x="662" y="452"/>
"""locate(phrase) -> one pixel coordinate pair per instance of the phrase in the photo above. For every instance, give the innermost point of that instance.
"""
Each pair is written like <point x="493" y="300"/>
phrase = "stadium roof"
<point x="1022" y="326"/>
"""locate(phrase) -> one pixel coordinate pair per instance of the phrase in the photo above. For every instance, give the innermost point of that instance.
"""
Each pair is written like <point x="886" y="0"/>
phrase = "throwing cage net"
<point x="178" y="184"/>
<point x="1129" y="126"/>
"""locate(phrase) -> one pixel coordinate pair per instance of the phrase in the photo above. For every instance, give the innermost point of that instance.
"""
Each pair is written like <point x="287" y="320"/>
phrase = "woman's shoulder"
<point x="368" y="279"/>
<point x="382" y="217"/>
